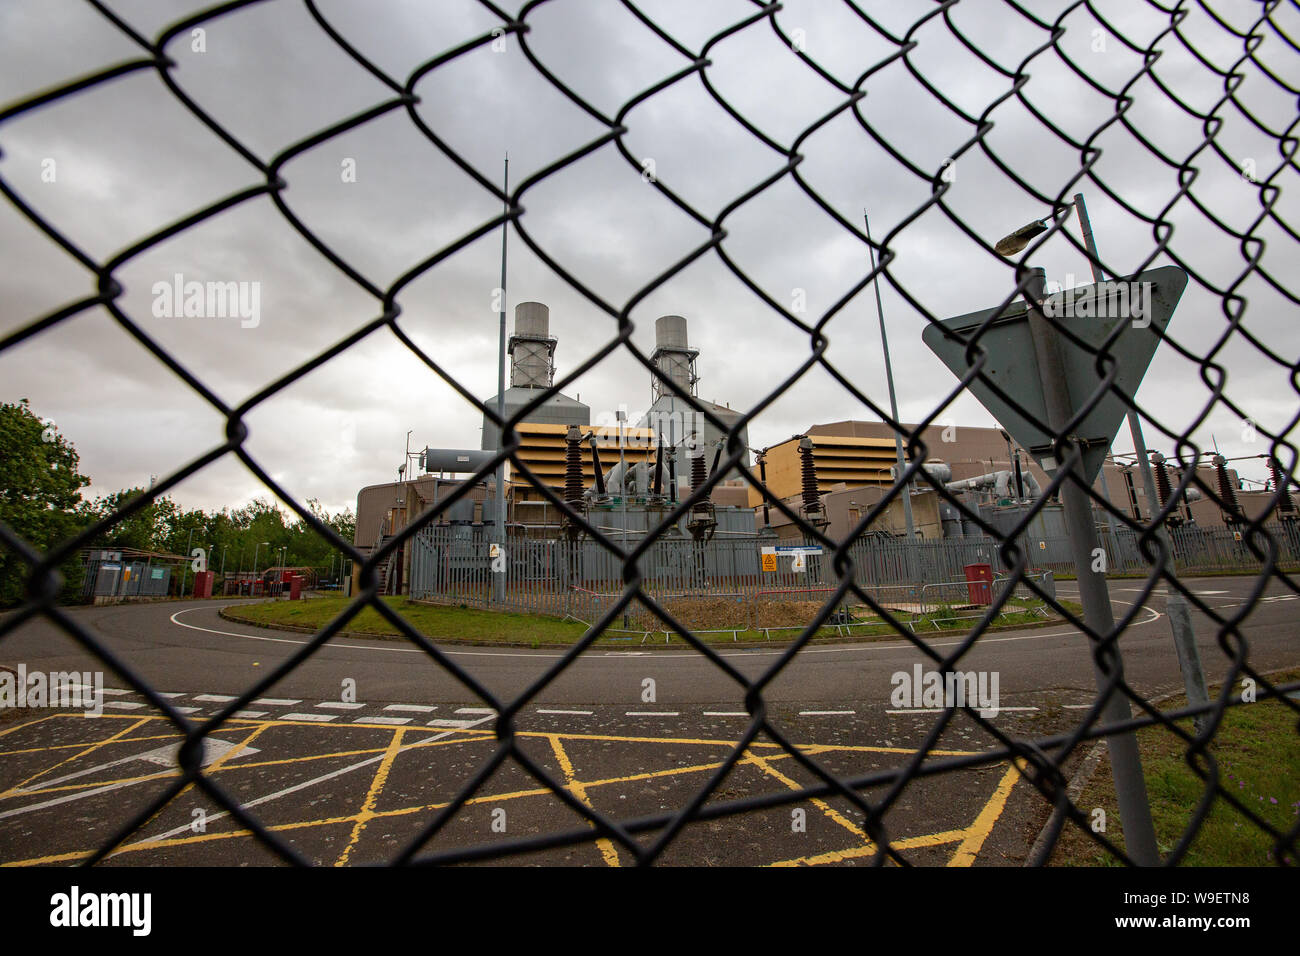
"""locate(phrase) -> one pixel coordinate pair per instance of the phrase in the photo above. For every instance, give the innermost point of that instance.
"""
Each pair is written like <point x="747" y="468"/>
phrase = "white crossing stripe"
<point x="824" y="713"/>
<point x="570" y="713"/>
<point x="415" y="708"/>
<point x="384" y="720"/>
<point x="725" y="713"/>
<point x="215" y="698"/>
<point x="249" y="713"/>
<point x="116" y="690"/>
<point x="653" y="713"/>
<point x="475" y="710"/>
<point x="451" y="722"/>
<point x="123" y="704"/>
<point x="275" y="702"/>
<point x="170" y="695"/>
<point x="339" y="705"/>
<point x="186" y="710"/>
<point x="311" y="716"/>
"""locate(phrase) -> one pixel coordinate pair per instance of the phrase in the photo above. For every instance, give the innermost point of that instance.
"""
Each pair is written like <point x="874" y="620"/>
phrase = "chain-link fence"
<point x="1232" y="56"/>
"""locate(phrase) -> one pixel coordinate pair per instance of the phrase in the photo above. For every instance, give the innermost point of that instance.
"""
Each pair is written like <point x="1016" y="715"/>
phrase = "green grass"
<point x="1258" y="754"/>
<point x="534" y="630"/>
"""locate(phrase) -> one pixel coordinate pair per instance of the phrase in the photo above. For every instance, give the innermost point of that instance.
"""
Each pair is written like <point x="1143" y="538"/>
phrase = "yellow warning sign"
<point x="769" y="562"/>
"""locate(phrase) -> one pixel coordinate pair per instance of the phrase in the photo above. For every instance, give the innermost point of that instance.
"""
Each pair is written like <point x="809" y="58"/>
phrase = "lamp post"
<point x="251" y="589"/>
<point x="1125" y="760"/>
<point x="1176" y="609"/>
<point x="889" y="379"/>
<point x="185" y="568"/>
<point x="499" y="526"/>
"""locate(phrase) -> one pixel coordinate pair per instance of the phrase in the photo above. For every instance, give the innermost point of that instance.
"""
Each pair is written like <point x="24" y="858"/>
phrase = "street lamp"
<point x="889" y="379"/>
<point x="251" y="589"/>
<point x="1048" y="360"/>
<point x="1010" y="245"/>
<point x="1180" y="619"/>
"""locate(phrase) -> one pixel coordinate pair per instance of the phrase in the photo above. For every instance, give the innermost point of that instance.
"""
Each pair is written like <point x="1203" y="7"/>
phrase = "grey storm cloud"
<point x="131" y="160"/>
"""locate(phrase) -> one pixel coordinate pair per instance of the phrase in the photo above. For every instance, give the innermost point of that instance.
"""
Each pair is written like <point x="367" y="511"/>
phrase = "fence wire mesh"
<point x="1242" y="46"/>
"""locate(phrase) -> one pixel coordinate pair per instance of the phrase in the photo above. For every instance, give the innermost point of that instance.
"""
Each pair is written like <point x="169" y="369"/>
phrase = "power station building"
<point x="624" y="479"/>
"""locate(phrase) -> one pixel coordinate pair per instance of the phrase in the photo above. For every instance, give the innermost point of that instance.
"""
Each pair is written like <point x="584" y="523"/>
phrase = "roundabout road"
<point x="187" y="647"/>
<point x="364" y="742"/>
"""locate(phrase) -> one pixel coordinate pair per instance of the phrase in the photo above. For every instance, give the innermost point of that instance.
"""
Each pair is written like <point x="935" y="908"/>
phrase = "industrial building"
<point x="981" y="465"/>
<point x="624" y="479"/>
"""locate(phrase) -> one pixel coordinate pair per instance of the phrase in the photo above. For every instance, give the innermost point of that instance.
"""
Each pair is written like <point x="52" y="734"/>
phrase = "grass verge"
<point x="1258" y="754"/>
<point x="471" y="625"/>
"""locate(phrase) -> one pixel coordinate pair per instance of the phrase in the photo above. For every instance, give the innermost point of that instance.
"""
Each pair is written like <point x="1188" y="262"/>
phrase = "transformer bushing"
<point x="573" y="484"/>
<point x="814" y="512"/>
<point x="1227" y="494"/>
<point x="1286" y="509"/>
<point x="1164" y="491"/>
<point x="703" y="518"/>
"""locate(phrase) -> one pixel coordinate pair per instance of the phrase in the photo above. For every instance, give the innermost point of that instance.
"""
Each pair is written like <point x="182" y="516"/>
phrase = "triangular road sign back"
<point x="1143" y="303"/>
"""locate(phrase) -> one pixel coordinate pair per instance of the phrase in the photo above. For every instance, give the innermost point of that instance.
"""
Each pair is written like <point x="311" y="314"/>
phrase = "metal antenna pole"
<point x="889" y="378"/>
<point x="1125" y="761"/>
<point x="185" y="568"/>
<point x="499" y="531"/>
<point x="1179" y="614"/>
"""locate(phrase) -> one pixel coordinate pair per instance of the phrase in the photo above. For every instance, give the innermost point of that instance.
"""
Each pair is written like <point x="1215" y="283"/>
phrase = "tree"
<point x="39" y="496"/>
<point x="144" y="530"/>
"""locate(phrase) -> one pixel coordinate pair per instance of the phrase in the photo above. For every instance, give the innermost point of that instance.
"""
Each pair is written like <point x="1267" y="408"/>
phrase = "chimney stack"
<point x="532" y="348"/>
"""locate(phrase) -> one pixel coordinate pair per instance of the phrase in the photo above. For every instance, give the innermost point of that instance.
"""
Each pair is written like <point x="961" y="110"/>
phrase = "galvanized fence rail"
<point x="593" y="580"/>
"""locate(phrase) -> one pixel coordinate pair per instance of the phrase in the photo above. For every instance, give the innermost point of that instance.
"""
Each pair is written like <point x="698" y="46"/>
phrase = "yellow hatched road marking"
<point x="376" y="786"/>
<point x="971" y="838"/>
<point x="86" y="749"/>
<point x="604" y="844"/>
<point x="979" y="831"/>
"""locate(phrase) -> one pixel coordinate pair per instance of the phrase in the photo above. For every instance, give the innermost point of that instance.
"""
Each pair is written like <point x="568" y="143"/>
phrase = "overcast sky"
<point x="128" y="159"/>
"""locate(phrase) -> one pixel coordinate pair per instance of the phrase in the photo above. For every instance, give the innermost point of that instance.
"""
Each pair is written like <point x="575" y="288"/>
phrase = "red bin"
<point x="295" y="587"/>
<point x="979" y="583"/>
<point x="203" y="584"/>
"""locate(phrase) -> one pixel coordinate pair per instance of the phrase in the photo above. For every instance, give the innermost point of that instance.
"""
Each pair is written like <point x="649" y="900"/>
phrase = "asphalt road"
<point x="353" y="752"/>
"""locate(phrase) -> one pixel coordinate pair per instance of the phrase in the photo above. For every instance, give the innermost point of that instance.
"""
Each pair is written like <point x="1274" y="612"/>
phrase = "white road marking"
<point x="1163" y="592"/>
<point x="310" y="717"/>
<point x="339" y="705"/>
<point x="186" y="710"/>
<point x="276" y="702"/>
<point x="806" y="652"/>
<point x="726" y="713"/>
<point x="567" y="713"/>
<point x="215" y="698"/>
<point x="170" y="696"/>
<point x="115" y="691"/>
<point x="453" y="722"/>
<point x="475" y="710"/>
<point x="212" y="817"/>
<point x="1076" y="706"/>
<point x="123" y="704"/>
<point x="249" y="714"/>
<point x="653" y="713"/>
<point x="384" y="720"/>
<point x="416" y="708"/>
<point x="825" y="713"/>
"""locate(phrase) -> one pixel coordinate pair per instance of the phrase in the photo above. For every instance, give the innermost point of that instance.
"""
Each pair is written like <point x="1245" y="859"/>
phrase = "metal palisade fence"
<point x="591" y="576"/>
